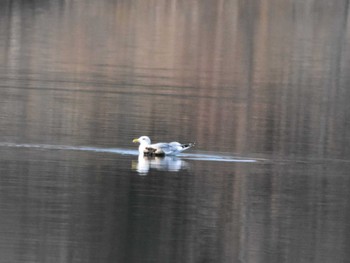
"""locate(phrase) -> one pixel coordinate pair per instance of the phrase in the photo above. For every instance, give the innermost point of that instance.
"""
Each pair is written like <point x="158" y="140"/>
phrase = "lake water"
<point x="262" y="87"/>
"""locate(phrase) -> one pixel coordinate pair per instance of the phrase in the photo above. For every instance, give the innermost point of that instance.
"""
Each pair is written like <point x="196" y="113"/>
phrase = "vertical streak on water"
<point x="13" y="26"/>
<point x="248" y="23"/>
<point x="332" y="90"/>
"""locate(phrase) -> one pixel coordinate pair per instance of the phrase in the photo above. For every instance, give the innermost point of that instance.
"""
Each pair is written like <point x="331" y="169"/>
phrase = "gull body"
<point x="160" y="148"/>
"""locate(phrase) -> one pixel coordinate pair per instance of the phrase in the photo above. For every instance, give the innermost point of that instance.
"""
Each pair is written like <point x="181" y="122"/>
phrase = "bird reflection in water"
<point x="166" y="163"/>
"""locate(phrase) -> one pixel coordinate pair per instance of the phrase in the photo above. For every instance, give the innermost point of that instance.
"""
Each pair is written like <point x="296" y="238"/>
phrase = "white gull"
<point x="160" y="148"/>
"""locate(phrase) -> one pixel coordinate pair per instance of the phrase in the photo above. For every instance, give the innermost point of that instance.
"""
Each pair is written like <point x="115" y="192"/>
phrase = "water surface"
<point x="262" y="88"/>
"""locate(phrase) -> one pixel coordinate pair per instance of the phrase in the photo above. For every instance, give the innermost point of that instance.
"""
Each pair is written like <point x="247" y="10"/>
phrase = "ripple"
<point x="216" y="158"/>
<point x="124" y="151"/>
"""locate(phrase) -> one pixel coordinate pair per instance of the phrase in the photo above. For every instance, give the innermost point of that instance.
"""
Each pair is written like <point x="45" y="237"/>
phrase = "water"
<point x="261" y="87"/>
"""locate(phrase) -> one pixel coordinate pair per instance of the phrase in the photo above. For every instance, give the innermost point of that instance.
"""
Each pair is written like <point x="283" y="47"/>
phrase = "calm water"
<point x="262" y="87"/>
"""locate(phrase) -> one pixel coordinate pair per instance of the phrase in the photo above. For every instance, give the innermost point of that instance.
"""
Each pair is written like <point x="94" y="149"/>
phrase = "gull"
<point x="160" y="148"/>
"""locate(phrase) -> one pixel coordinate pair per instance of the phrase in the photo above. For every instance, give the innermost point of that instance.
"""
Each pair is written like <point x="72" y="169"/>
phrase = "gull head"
<point x="143" y="140"/>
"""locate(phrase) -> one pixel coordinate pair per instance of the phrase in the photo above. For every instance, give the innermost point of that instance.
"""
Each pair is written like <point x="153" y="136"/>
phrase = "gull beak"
<point x="135" y="140"/>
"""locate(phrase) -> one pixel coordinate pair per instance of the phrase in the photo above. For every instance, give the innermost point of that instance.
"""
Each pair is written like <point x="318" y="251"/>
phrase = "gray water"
<point x="262" y="87"/>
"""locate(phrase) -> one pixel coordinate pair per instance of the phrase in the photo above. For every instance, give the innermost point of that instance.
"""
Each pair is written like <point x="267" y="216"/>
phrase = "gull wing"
<point x="163" y="148"/>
